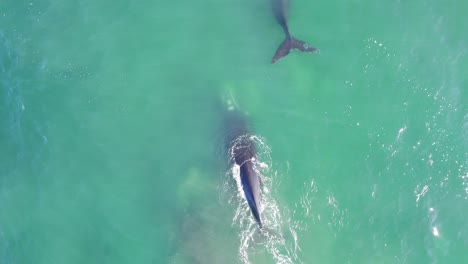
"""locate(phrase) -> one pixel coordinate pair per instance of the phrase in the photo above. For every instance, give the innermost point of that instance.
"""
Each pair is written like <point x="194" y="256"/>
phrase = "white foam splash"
<point x="272" y="238"/>
<point x="421" y="193"/>
<point x="401" y="131"/>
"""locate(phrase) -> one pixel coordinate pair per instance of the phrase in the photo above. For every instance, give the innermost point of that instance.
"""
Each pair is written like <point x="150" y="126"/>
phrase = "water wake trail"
<point x="278" y="238"/>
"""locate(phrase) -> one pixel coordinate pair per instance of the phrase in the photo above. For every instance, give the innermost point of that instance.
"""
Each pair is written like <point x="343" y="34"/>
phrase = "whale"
<point x="241" y="151"/>
<point x="281" y="10"/>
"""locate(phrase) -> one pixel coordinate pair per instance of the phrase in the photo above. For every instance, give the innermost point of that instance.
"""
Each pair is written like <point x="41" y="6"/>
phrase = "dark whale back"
<point x="242" y="151"/>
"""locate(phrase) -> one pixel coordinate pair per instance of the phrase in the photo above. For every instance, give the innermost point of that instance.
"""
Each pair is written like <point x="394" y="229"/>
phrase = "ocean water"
<point x="110" y="132"/>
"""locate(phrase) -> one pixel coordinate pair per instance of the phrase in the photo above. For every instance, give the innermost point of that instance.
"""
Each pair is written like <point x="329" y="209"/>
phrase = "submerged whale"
<point x="242" y="152"/>
<point x="280" y="10"/>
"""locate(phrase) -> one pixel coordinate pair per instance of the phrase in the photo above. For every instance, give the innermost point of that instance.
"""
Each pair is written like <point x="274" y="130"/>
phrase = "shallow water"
<point x="110" y="142"/>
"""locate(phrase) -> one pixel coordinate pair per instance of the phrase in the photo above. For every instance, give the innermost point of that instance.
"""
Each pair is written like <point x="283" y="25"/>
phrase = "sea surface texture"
<point x="111" y="136"/>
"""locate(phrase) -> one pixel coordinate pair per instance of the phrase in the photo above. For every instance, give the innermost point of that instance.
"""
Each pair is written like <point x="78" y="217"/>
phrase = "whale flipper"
<point x="291" y="43"/>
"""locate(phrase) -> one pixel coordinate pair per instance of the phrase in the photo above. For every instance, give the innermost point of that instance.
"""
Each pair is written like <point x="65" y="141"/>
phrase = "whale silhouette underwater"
<point x="281" y="10"/>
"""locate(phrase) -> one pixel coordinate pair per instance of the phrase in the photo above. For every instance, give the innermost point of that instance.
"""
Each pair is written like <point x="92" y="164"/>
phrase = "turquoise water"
<point x="109" y="132"/>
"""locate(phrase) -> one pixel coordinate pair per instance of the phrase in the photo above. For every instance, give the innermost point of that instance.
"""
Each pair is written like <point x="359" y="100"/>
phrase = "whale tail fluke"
<point x="291" y="43"/>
